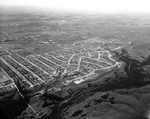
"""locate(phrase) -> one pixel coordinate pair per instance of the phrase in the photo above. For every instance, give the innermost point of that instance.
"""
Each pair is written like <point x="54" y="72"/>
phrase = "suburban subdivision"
<point x="81" y="61"/>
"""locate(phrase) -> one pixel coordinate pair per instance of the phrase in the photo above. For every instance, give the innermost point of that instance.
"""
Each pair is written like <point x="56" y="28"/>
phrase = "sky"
<point x="103" y="6"/>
